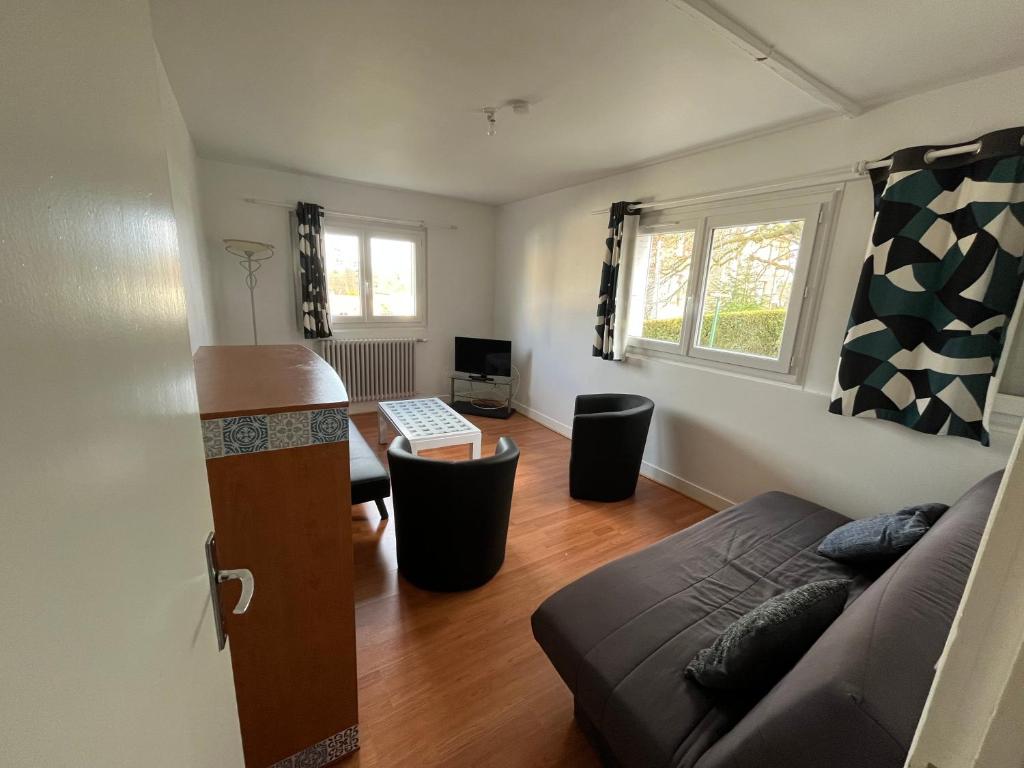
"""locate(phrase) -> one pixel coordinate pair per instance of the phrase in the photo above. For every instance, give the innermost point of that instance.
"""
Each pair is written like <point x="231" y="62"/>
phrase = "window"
<point x="375" y="275"/>
<point x="660" y="287"/>
<point x="728" y="285"/>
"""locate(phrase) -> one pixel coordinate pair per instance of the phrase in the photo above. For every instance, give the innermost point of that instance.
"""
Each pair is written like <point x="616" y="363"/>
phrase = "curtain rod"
<point x="859" y="171"/>
<point x="834" y="176"/>
<point x="419" y="223"/>
<point x="930" y="156"/>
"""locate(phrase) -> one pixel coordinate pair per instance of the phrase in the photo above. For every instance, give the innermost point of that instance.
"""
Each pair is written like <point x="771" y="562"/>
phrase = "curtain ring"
<point x="929" y="156"/>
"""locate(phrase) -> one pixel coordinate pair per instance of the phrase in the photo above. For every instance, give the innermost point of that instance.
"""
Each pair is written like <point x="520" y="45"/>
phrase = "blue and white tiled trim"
<point x="235" y="435"/>
<point x="323" y="752"/>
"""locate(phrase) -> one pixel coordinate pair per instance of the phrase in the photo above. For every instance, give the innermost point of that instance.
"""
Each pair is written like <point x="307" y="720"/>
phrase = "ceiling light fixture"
<point x="518" y="106"/>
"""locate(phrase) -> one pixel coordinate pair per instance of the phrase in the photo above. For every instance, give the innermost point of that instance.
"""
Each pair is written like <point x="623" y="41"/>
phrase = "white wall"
<point x="460" y="262"/>
<point x="733" y="436"/>
<point x="196" y="275"/>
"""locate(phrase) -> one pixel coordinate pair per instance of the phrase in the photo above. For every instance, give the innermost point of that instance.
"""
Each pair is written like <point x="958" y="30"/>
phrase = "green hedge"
<point x="663" y="330"/>
<point x="754" y="331"/>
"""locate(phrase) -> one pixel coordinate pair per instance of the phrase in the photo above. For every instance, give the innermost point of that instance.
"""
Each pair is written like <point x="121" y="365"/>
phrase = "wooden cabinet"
<point x="275" y="431"/>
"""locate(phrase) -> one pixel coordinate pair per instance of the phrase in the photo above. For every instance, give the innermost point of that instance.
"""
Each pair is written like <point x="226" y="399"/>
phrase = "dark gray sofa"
<point x="621" y="636"/>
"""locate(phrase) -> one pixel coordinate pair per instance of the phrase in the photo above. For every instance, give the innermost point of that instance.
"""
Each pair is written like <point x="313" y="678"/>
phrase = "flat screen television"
<point x="483" y="358"/>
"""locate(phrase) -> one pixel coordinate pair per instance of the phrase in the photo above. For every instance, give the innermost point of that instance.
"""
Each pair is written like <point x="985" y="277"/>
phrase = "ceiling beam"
<point x="762" y="52"/>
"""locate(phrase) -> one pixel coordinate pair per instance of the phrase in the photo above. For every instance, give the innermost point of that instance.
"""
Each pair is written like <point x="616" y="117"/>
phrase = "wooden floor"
<point x="457" y="679"/>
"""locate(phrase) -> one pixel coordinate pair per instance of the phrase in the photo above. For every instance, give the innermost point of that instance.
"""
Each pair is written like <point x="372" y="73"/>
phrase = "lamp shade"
<point x="249" y="249"/>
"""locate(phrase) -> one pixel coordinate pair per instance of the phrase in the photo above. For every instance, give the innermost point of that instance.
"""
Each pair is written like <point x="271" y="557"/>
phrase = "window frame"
<point x="365" y="233"/>
<point x="646" y="230"/>
<point x="818" y="207"/>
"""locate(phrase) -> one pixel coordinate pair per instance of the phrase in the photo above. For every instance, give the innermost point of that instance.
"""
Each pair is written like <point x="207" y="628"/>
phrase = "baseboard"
<point x="685" y="487"/>
<point x="565" y="430"/>
<point x="648" y="470"/>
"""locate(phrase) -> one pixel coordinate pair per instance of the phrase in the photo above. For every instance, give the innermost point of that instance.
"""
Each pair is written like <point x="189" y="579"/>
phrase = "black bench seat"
<point x="370" y="481"/>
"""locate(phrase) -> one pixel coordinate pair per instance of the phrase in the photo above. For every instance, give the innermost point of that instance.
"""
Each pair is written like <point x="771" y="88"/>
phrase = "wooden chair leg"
<point x="381" y="507"/>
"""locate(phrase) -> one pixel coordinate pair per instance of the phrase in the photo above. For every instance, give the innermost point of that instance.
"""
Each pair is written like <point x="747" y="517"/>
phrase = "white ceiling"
<point x="384" y="91"/>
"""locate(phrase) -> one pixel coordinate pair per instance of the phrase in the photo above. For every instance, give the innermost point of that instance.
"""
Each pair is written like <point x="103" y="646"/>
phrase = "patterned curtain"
<point x="315" y="312"/>
<point x="609" y="344"/>
<point x="937" y="290"/>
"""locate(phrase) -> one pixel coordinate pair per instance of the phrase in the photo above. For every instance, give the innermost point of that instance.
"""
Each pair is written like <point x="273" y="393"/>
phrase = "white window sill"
<point x="338" y="325"/>
<point x="1007" y="410"/>
<point x="789" y="380"/>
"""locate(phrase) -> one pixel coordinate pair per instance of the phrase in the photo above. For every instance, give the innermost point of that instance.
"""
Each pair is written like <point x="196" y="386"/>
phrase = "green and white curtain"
<point x="609" y="340"/>
<point x="311" y="273"/>
<point x="938" y="289"/>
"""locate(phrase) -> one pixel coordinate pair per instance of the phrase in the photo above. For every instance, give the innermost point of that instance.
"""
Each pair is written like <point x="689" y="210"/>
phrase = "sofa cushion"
<point x="881" y="537"/>
<point x="369" y="478"/>
<point x="621" y="635"/>
<point x="761" y="645"/>
<point x="857" y="694"/>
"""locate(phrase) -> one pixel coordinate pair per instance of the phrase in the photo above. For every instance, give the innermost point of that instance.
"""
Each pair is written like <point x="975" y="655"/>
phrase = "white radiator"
<point x="373" y="369"/>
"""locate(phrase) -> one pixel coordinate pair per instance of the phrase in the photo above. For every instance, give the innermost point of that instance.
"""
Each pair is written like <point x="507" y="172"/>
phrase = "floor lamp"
<point x="251" y="256"/>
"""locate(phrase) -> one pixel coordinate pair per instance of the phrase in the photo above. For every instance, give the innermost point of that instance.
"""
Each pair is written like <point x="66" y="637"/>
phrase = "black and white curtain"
<point x="609" y="339"/>
<point x="938" y="289"/>
<point x="314" y="310"/>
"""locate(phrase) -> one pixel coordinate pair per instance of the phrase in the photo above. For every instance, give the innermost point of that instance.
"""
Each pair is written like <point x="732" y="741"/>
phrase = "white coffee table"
<point x="426" y="423"/>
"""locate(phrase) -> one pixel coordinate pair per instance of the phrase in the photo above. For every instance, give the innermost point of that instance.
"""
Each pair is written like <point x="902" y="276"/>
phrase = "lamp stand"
<point x="251" y="256"/>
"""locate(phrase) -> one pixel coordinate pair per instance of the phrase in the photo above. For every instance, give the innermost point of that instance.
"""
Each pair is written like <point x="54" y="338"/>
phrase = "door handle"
<point x="217" y="576"/>
<point x="243" y="575"/>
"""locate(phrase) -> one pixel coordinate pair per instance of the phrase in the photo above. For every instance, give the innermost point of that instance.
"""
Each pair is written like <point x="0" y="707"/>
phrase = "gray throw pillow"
<point x="761" y="645"/>
<point x="882" y="536"/>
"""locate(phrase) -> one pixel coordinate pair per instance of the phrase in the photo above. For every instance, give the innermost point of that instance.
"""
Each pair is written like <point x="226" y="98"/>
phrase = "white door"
<point x="107" y="651"/>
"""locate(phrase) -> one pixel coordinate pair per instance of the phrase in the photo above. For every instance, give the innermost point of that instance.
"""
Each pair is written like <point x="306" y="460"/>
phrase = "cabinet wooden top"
<point x="244" y="380"/>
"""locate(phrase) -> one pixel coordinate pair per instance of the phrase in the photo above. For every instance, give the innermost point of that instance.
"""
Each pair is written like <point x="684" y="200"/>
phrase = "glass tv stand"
<point x="479" y="396"/>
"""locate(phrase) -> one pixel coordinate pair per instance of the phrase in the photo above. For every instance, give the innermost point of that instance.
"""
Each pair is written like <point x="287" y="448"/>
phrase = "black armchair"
<point x="608" y="437"/>
<point x="451" y="517"/>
